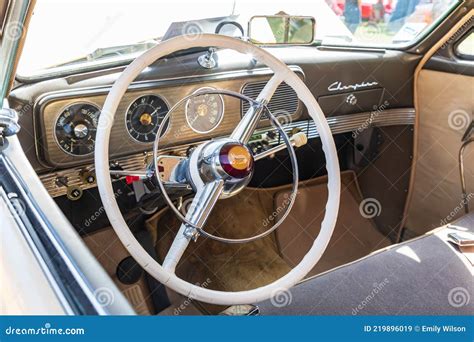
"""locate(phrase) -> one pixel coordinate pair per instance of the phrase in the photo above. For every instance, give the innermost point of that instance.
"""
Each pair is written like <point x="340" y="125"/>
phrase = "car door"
<point x="44" y="267"/>
<point x="16" y="249"/>
<point x="443" y="172"/>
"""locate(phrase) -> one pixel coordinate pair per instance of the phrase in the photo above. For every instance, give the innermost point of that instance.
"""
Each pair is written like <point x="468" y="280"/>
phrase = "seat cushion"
<point x="424" y="276"/>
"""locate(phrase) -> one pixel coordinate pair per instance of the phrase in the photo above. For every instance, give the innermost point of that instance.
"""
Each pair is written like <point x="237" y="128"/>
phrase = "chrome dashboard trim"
<point x="338" y="124"/>
<point x="81" y="93"/>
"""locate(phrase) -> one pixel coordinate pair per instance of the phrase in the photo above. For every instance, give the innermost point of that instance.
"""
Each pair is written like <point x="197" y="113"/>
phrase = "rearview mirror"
<point x="281" y="30"/>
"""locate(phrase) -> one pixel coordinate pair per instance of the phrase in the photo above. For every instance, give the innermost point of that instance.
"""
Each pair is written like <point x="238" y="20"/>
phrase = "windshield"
<point x="75" y="33"/>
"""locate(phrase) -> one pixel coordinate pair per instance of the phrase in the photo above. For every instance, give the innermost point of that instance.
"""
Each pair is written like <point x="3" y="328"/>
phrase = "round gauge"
<point x="144" y="117"/>
<point x="76" y="127"/>
<point x="204" y="112"/>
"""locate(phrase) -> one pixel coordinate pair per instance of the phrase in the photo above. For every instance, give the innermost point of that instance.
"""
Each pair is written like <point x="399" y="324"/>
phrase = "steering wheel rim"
<point x="104" y="182"/>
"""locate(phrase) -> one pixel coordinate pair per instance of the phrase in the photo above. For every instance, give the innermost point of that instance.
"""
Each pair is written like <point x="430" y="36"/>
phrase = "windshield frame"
<point x="121" y="61"/>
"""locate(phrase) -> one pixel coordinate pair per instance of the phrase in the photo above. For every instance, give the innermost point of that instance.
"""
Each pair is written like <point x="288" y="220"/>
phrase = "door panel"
<point x="445" y="94"/>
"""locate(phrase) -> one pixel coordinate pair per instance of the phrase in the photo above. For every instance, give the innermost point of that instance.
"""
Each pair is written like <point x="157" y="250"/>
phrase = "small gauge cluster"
<point x="76" y="126"/>
<point x="144" y="117"/>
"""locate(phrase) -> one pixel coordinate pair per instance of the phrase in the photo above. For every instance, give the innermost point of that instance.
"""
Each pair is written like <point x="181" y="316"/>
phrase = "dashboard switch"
<point x="61" y="181"/>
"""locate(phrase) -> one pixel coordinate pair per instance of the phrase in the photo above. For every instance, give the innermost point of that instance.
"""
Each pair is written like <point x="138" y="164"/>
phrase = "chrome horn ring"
<point x="286" y="139"/>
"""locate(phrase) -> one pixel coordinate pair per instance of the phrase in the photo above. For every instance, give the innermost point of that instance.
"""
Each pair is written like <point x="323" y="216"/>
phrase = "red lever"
<point x="131" y="179"/>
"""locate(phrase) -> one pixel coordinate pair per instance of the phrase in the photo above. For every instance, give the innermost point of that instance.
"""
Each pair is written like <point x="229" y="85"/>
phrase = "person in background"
<point x="352" y="15"/>
<point x="403" y="9"/>
<point x="378" y="12"/>
<point x="335" y="8"/>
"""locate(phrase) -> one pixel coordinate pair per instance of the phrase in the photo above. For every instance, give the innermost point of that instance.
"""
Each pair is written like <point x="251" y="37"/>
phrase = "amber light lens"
<point x="236" y="160"/>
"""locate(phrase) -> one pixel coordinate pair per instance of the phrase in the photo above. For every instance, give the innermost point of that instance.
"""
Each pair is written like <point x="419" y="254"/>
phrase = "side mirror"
<point x="281" y="30"/>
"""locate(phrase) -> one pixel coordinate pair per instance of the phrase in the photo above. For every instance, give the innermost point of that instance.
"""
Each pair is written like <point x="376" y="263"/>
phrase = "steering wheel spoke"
<point x="197" y="214"/>
<point x="244" y="130"/>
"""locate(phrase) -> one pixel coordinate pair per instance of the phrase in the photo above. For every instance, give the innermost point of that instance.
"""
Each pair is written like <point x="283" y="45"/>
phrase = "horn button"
<point x="236" y="160"/>
<point x="226" y="160"/>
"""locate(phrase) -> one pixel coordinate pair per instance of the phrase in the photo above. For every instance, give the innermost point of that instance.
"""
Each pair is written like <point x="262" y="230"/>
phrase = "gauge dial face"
<point x="204" y="112"/>
<point x="144" y="117"/>
<point x="76" y="127"/>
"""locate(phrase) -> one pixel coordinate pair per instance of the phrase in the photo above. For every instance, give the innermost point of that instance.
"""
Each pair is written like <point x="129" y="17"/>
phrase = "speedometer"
<point x="76" y="127"/>
<point x="144" y="117"/>
<point x="204" y="112"/>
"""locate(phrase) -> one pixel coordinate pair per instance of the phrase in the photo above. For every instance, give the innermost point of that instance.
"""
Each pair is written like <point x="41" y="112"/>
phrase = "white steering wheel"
<point x="212" y="187"/>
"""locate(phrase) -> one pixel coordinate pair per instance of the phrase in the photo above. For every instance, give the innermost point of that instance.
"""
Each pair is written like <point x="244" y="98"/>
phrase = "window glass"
<point x="466" y="47"/>
<point x="73" y="33"/>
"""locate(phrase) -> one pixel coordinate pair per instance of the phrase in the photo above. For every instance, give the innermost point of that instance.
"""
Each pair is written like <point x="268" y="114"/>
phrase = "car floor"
<point x="234" y="267"/>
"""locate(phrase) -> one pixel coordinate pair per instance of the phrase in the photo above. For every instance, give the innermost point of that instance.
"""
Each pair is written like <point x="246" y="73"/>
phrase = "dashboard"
<point x="68" y="121"/>
<point x="59" y="116"/>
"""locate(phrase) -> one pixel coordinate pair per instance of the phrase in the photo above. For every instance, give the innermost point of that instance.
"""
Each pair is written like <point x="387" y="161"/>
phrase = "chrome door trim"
<point x="58" y="245"/>
<point x="16" y="14"/>
<point x="46" y="271"/>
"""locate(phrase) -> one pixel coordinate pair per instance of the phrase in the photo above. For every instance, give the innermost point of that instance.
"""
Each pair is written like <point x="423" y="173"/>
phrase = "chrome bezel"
<point x="56" y="122"/>
<point x="203" y="90"/>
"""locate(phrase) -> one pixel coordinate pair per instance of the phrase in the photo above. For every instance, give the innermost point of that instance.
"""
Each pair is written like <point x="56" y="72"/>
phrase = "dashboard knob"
<point x="88" y="177"/>
<point x="271" y="134"/>
<point x="295" y="131"/>
<point x="115" y="166"/>
<point x="74" y="193"/>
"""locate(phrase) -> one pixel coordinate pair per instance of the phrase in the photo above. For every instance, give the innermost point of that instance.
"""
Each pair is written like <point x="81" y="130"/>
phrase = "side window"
<point x="465" y="48"/>
<point x="383" y="22"/>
